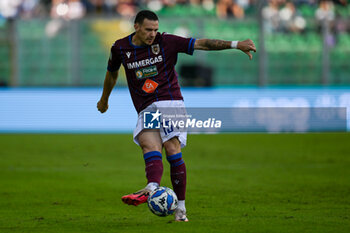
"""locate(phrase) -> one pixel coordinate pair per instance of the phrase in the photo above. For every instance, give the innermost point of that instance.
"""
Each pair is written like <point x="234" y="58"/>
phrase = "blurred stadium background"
<point x="300" y="42"/>
<point x="65" y="43"/>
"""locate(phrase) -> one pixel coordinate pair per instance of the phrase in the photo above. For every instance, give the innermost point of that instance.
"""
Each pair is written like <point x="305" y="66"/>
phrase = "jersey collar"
<point x="144" y="46"/>
<point x="135" y="46"/>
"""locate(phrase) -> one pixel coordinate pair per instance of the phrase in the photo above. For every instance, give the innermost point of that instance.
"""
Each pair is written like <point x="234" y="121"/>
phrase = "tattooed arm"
<point x="208" y="44"/>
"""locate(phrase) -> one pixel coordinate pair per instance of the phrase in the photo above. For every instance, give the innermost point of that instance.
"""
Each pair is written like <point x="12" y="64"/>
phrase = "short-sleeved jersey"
<point x="150" y="70"/>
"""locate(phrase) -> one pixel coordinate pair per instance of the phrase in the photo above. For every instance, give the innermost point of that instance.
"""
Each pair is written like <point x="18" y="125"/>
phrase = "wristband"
<point x="234" y="44"/>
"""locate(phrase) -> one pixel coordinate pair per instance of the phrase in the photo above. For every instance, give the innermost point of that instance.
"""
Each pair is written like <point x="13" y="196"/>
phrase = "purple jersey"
<point x="150" y="70"/>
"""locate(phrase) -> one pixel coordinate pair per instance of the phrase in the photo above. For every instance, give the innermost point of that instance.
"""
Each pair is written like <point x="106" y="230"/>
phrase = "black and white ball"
<point x="162" y="201"/>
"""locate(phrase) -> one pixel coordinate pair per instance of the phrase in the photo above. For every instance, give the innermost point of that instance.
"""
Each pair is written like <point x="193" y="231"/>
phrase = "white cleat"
<point x="180" y="215"/>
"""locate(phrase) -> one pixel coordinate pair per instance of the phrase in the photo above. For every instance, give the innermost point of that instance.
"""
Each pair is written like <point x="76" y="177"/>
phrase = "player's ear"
<point x="136" y="26"/>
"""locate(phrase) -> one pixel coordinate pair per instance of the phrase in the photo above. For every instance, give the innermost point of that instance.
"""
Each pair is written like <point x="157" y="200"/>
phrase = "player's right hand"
<point x="102" y="106"/>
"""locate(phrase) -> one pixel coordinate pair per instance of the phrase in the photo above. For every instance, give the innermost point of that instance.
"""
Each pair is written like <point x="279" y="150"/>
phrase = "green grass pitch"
<point x="236" y="183"/>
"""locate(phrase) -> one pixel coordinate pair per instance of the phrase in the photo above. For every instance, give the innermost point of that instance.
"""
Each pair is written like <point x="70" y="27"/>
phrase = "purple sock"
<point x="178" y="175"/>
<point x="154" y="166"/>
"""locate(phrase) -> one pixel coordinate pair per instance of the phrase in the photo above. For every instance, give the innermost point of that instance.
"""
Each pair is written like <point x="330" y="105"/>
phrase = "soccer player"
<point x="149" y="59"/>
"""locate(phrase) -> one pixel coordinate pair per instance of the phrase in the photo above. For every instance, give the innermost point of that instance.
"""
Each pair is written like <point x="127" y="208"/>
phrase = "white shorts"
<point x="176" y="106"/>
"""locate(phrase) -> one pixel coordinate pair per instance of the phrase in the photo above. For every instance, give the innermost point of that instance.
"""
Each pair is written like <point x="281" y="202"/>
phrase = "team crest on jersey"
<point x="155" y="49"/>
<point x="128" y="54"/>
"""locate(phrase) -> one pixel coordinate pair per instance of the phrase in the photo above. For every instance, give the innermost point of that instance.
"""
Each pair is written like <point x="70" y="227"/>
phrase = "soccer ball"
<point x="162" y="201"/>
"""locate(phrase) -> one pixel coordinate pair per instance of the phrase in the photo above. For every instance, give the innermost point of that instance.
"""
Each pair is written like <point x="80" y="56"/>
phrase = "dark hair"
<point x="145" y="14"/>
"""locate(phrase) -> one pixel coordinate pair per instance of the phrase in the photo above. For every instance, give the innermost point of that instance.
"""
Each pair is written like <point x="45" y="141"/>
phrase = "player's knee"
<point x="148" y="148"/>
<point x="150" y="141"/>
<point x="150" y="145"/>
<point x="172" y="146"/>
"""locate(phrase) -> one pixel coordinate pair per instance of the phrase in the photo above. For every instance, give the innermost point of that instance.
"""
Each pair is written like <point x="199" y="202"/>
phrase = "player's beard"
<point x="149" y="41"/>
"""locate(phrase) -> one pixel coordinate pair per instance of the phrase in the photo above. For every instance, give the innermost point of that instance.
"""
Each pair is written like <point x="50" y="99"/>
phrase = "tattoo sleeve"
<point x="209" y="44"/>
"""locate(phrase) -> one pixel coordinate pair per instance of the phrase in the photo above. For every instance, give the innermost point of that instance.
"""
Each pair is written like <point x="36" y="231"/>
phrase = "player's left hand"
<point x="246" y="46"/>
